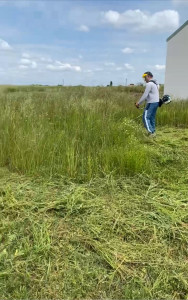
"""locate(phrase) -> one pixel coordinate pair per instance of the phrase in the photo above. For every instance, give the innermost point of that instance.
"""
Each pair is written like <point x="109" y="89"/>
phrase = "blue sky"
<point x="86" y="42"/>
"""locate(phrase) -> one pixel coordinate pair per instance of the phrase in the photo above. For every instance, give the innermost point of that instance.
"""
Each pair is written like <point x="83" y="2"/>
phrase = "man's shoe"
<point x="152" y="135"/>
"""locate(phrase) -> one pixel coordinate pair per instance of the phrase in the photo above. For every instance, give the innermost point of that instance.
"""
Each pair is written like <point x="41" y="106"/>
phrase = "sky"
<point x="88" y="42"/>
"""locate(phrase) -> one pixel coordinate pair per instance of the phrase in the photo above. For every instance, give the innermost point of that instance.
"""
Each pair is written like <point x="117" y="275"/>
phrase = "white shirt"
<point x="151" y="93"/>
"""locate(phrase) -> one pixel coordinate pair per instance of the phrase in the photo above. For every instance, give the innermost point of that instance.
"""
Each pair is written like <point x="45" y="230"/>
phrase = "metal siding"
<point x="176" y="75"/>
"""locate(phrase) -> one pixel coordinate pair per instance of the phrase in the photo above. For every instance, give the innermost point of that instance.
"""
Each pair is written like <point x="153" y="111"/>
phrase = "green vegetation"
<point x="91" y="208"/>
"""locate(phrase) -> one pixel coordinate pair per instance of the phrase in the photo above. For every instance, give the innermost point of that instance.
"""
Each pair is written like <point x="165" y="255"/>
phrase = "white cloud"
<point x="45" y="59"/>
<point x="23" y="67"/>
<point x="59" y="63"/>
<point x="129" y="67"/>
<point x="88" y="71"/>
<point x="83" y="28"/>
<point x="112" y="17"/>
<point x="25" y="61"/>
<point x="119" y="68"/>
<point x="29" y="63"/>
<point x="127" y="50"/>
<point x="99" y="69"/>
<point x="4" y="45"/>
<point x="159" y="67"/>
<point x="33" y="65"/>
<point x="25" y="55"/>
<point x="58" y="66"/>
<point x="165" y="20"/>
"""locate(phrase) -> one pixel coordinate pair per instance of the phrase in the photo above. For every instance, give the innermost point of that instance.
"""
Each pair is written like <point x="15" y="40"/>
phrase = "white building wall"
<point x="176" y="75"/>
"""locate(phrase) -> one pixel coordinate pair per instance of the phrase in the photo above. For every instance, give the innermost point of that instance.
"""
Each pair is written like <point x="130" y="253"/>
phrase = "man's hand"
<point x="137" y="105"/>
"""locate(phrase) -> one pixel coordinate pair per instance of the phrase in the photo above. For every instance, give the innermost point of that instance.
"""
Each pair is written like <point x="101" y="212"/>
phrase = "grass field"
<point x="91" y="208"/>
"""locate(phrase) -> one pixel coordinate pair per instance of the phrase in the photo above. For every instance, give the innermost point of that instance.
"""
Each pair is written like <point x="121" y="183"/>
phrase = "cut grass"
<point x="112" y="237"/>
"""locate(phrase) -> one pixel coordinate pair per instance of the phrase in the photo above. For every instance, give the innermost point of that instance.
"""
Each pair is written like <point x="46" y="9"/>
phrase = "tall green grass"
<point x="77" y="132"/>
<point x="74" y="132"/>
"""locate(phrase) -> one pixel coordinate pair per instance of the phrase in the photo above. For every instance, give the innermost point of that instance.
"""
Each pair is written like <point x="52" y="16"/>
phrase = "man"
<point x="151" y="95"/>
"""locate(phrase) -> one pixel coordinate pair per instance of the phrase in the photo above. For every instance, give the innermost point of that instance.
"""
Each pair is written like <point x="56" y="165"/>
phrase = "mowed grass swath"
<point x="91" y="208"/>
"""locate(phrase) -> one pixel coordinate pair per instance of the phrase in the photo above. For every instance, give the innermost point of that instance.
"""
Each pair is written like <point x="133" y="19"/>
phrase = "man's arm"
<point x="146" y="92"/>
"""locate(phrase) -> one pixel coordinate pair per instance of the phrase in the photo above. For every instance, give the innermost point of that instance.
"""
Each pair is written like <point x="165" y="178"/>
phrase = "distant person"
<point x="151" y="95"/>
